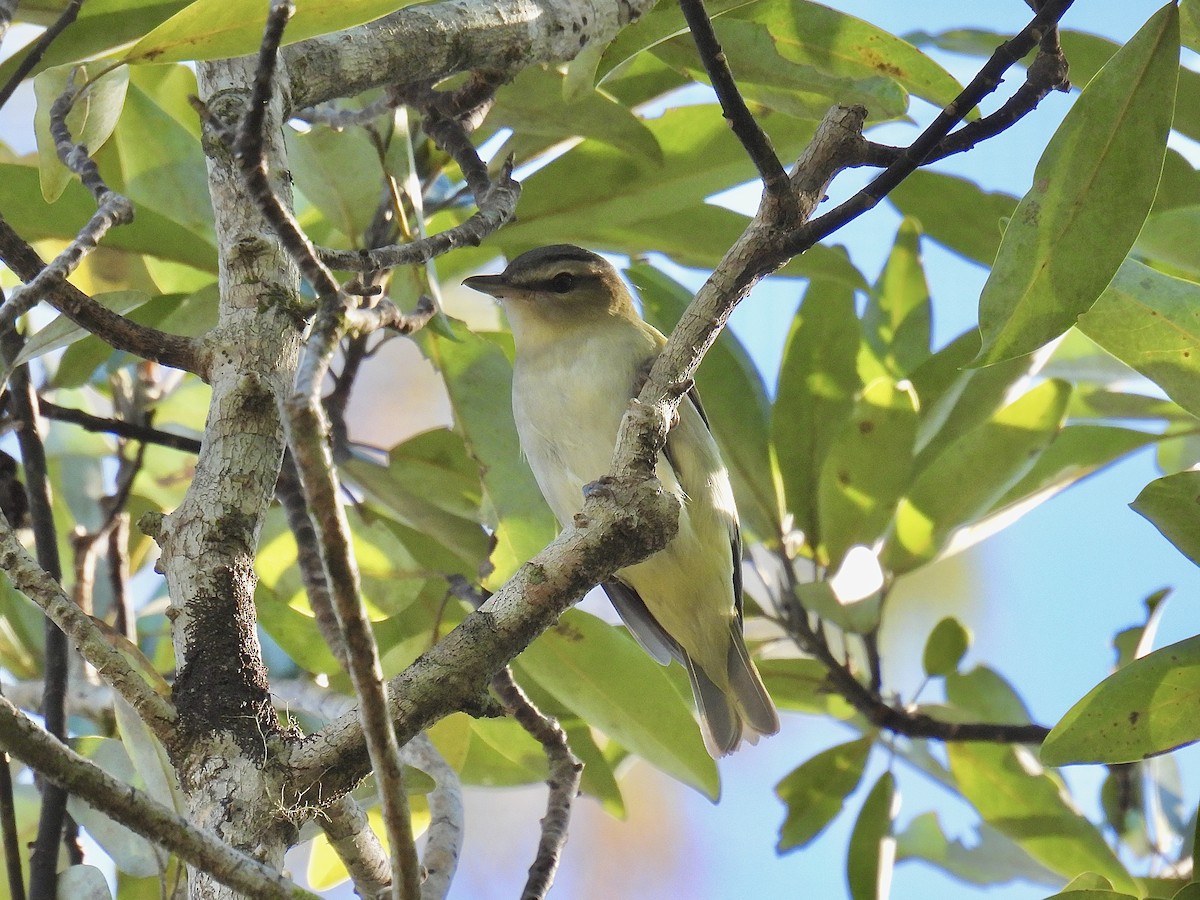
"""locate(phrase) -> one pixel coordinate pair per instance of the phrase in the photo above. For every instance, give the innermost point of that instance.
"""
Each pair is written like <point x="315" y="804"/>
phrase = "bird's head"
<point x="560" y="284"/>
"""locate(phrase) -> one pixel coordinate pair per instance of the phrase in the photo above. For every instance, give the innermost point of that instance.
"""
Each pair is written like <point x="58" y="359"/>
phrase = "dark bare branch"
<point x="38" y="50"/>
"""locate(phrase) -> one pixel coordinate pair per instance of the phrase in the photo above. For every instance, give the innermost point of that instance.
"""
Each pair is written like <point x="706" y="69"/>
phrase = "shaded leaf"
<point x="992" y="858"/>
<point x="598" y="671"/>
<point x="872" y="854"/>
<point x="340" y="173"/>
<point x="62" y="332"/>
<point x="815" y="791"/>
<point x="1172" y="505"/>
<point x="955" y="212"/>
<point x="1166" y="241"/>
<point x="945" y="647"/>
<point x="479" y="380"/>
<point x="898" y="316"/>
<point x="1091" y="192"/>
<point x="818" y="380"/>
<point x="1016" y="797"/>
<point x="91" y="121"/>
<point x="216" y="29"/>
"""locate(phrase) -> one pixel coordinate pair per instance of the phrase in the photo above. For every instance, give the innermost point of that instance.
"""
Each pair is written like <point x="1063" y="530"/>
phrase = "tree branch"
<point x="566" y="771"/>
<point x="138" y="811"/>
<point x="115" y="330"/>
<point x="34" y="56"/>
<point x="350" y="836"/>
<point x="129" y="430"/>
<point x="986" y="80"/>
<point x="737" y="114"/>
<point x="434" y="40"/>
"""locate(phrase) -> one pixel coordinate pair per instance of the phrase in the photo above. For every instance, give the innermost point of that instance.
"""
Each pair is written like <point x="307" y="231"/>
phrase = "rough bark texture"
<point x="228" y="730"/>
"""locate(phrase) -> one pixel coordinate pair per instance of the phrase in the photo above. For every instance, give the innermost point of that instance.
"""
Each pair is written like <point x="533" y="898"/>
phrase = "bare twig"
<point x="38" y="50"/>
<point x="138" y="811"/>
<point x="43" y="865"/>
<point x="565" y="773"/>
<point x="443" y="839"/>
<point x="33" y="581"/>
<point x="112" y="209"/>
<point x="986" y="80"/>
<point x="115" y="330"/>
<point x="8" y="827"/>
<point x="745" y="128"/>
<point x="129" y="430"/>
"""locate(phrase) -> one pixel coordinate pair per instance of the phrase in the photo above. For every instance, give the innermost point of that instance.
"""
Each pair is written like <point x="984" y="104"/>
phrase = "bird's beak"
<point x="495" y="285"/>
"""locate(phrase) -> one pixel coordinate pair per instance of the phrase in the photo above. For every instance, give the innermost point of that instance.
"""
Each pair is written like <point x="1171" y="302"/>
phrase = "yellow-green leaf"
<point x="1091" y="192"/>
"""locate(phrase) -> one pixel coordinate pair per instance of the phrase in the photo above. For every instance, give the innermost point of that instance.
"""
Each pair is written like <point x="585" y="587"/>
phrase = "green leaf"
<point x="149" y="233"/>
<point x="340" y="173"/>
<point x="898" y="315"/>
<point x="735" y="400"/>
<point x="971" y="474"/>
<point x="866" y="470"/>
<point x="983" y="695"/>
<point x="767" y="76"/>
<point x="1141" y="710"/>
<point x="955" y="212"/>
<point x="82" y="882"/>
<point x="158" y="143"/>
<point x="1017" y="797"/>
<point x="217" y="29"/>
<point x="700" y="158"/>
<point x="802" y="685"/>
<point x="1151" y="322"/>
<point x="1091" y="192"/>
<point x="872" y="854"/>
<point x="842" y="45"/>
<point x="815" y="791"/>
<point x="533" y="106"/>
<point x="1077" y="451"/>
<point x="102" y="25"/>
<point x="818" y="380"/>
<point x="1165" y="241"/>
<point x="598" y="671"/>
<point x="479" y="380"/>
<point x="991" y="858"/>
<point x="945" y="647"/>
<point x="91" y="121"/>
<point x="449" y="513"/>
<point x="62" y="332"/>
<point x="500" y="753"/>
<point x="1172" y="504"/>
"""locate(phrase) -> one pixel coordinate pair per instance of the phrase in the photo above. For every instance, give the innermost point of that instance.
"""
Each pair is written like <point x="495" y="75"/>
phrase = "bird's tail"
<point x="741" y="711"/>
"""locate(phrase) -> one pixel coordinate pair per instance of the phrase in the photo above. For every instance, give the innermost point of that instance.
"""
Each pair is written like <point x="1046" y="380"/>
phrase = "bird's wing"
<point x="641" y="623"/>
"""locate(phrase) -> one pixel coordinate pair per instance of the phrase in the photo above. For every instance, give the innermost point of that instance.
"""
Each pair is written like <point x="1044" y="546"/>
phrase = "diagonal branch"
<point x="745" y="128"/>
<point x="115" y="330"/>
<point x="138" y="811"/>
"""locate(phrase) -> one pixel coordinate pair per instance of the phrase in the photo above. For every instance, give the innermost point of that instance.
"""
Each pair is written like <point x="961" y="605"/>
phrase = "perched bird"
<point x="580" y="349"/>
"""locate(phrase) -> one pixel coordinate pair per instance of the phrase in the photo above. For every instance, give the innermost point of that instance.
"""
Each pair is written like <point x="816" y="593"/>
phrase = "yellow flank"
<point x="580" y="350"/>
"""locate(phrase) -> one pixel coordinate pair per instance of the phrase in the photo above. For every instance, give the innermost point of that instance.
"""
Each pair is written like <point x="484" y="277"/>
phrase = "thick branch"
<point x="431" y="41"/>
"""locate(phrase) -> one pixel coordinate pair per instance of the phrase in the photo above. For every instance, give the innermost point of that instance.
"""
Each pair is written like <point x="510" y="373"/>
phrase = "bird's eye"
<point x="562" y="282"/>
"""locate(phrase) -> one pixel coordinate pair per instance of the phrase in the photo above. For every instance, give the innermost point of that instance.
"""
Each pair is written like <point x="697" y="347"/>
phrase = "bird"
<point x="582" y="351"/>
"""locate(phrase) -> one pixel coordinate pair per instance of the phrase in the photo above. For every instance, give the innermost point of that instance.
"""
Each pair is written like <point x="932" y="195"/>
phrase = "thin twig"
<point x="986" y="80"/>
<point x="147" y="434"/>
<point x="444" y="837"/>
<point x="743" y="124"/>
<point x="38" y="50"/>
<point x="112" y="210"/>
<point x="114" y="329"/>
<point x="8" y="827"/>
<point x="138" y="811"/>
<point x="43" y="865"/>
<point x="566" y="771"/>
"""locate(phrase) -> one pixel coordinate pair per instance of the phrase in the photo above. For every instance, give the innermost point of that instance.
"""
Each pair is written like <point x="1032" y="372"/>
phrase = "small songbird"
<point x="581" y="348"/>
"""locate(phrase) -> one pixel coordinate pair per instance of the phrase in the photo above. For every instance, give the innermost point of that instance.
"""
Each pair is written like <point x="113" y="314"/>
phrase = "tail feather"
<point x="743" y="712"/>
